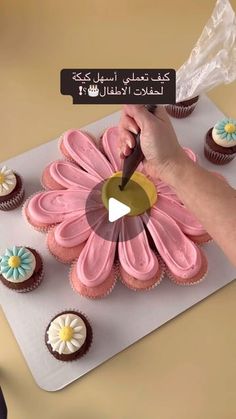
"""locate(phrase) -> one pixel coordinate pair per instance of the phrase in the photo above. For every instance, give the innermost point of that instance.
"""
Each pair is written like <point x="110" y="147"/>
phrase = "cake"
<point x="21" y="269"/>
<point x="220" y="142"/>
<point x="182" y="109"/>
<point x="11" y="189"/>
<point x="100" y="251"/>
<point x="68" y="335"/>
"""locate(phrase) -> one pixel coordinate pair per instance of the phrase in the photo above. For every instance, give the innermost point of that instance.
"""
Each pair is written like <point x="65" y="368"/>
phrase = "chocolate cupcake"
<point x="220" y="142"/>
<point x="68" y="335"/>
<point x="21" y="269"/>
<point x="11" y="189"/>
<point x="182" y="109"/>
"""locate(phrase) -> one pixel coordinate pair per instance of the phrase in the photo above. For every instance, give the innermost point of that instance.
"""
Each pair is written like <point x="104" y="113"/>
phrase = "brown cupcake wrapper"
<point x="180" y="111"/>
<point x="13" y="203"/>
<point x="216" y="157"/>
<point x="33" y="287"/>
<point x="89" y="343"/>
<point x="87" y="296"/>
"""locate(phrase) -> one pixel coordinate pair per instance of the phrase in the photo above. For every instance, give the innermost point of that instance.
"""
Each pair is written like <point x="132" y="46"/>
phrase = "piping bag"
<point x="211" y="62"/>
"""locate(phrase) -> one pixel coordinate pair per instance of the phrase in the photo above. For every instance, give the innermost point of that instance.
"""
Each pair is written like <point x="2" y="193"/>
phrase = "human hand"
<point x="158" y="139"/>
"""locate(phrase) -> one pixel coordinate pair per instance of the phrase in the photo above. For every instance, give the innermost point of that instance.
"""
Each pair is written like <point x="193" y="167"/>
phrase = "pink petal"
<point x="68" y="175"/>
<point x="96" y="259"/>
<point x="180" y="254"/>
<point x="135" y="255"/>
<point x="111" y="144"/>
<point x="186" y="221"/>
<point x="55" y="206"/>
<point x="82" y="149"/>
<point x="76" y="229"/>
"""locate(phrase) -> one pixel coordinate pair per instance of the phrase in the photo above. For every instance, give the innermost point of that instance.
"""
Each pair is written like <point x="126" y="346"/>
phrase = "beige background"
<point x="186" y="369"/>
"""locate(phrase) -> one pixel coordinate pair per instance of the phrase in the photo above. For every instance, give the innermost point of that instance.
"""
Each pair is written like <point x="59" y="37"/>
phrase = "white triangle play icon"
<point x="116" y="209"/>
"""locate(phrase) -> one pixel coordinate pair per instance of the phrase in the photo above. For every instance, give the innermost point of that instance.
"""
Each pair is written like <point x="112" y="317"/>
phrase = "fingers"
<point x="127" y="130"/>
<point x="127" y="142"/>
<point x="128" y="123"/>
<point x="139" y="114"/>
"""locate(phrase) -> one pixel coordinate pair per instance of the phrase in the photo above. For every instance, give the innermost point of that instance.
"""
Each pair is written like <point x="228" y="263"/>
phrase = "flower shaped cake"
<point x="167" y="234"/>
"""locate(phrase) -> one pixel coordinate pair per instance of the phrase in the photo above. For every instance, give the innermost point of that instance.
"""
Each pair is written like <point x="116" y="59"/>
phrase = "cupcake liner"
<point x="177" y="282"/>
<point x="91" y="337"/>
<point x="14" y="202"/>
<point x="180" y="111"/>
<point x="33" y="287"/>
<point x="87" y="296"/>
<point x="44" y="229"/>
<point x="45" y="188"/>
<point x="163" y="271"/>
<point x="216" y="157"/>
<point x="53" y="254"/>
<point x="184" y="284"/>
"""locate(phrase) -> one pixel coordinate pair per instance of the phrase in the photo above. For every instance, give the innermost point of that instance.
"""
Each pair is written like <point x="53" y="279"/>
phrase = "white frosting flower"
<point x="7" y="181"/>
<point x="224" y="133"/>
<point x="66" y="333"/>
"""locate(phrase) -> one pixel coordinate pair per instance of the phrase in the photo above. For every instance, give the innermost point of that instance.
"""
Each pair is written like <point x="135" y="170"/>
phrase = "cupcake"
<point x="68" y="336"/>
<point x="11" y="189"/>
<point x="220" y="142"/>
<point x="182" y="109"/>
<point x="21" y="269"/>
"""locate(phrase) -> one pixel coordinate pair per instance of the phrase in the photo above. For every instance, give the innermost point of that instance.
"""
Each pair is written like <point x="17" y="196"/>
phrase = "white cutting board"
<point x="124" y="316"/>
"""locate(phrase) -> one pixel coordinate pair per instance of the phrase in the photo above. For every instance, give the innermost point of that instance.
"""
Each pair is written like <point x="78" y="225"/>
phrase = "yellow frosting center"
<point x="66" y="333"/>
<point x="230" y="128"/>
<point x="139" y="194"/>
<point x="2" y="178"/>
<point x="14" y="261"/>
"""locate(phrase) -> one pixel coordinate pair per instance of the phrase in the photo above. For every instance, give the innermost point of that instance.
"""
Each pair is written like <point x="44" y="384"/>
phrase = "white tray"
<point x="124" y="316"/>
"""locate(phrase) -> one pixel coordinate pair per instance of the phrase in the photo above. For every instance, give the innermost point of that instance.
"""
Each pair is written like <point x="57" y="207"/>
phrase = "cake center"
<point x="14" y="261"/>
<point x="66" y="333"/>
<point x="230" y="128"/>
<point x="140" y="193"/>
<point x="2" y="178"/>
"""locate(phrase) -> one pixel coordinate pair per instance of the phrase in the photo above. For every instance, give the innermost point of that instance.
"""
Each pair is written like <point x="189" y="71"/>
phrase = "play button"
<point x="117" y="209"/>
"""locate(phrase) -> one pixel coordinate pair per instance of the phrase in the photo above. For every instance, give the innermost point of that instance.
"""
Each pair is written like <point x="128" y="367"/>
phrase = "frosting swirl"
<point x="224" y="132"/>
<point x="7" y="181"/>
<point x="17" y="264"/>
<point x="66" y="333"/>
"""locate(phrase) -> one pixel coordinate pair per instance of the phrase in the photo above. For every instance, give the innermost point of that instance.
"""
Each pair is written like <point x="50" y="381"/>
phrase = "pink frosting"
<point x="135" y="255"/>
<point x="110" y="141"/>
<point x="179" y="253"/>
<point x="69" y="175"/>
<point x="97" y="257"/>
<point x="55" y="206"/>
<point x="186" y="221"/>
<point x="168" y="221"/>
<point x="76" y="230"/>
<point x="82" y="149"/>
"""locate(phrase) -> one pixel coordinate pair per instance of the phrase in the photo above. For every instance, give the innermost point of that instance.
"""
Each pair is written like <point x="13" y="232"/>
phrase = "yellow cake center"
<point x="139" y="194"/>
<point x="230" y="128"/>
<point x="66" y="333"/>
<point x="14" y="261"/>
<point x="2" y="178"/>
